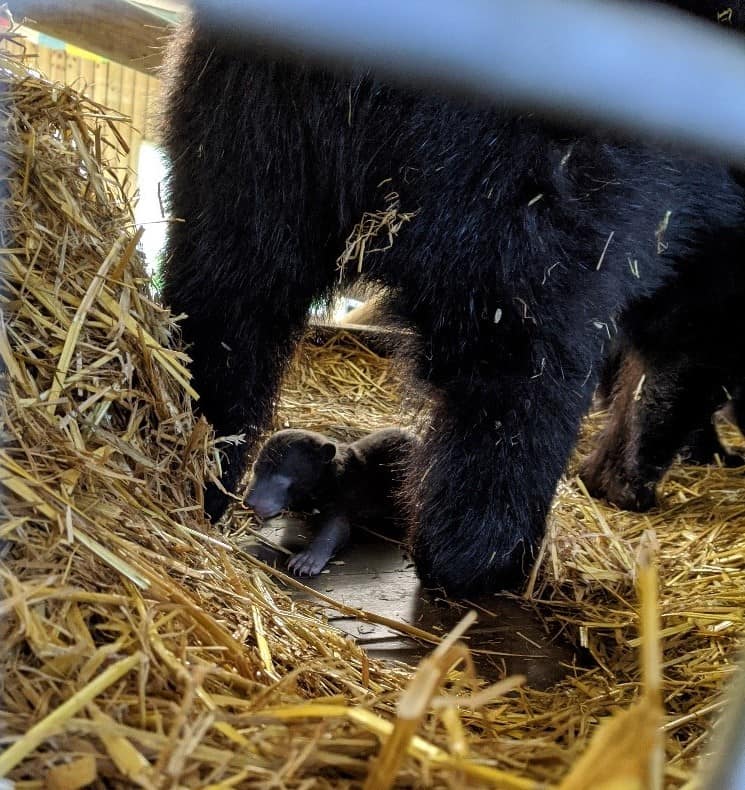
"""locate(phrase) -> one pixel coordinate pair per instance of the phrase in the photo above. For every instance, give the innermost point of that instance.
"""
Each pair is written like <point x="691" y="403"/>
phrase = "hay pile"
<point x="586" y="580"/>
<point x="139" y="647"/>
<point x="339" y="387"/>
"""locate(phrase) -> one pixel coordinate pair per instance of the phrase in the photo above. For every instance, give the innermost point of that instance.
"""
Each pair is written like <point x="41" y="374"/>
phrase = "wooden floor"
<point x="373" y="574"/>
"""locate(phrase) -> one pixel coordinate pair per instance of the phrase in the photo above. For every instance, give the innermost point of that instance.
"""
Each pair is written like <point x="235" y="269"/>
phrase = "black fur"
<point x="680" y="359"/>
<point x="684" y="344"/>
<point x="528" y="240"/>
<point x="728" y="13"/>
<point x="702" y="444"/>
<point x="348" y="484"/>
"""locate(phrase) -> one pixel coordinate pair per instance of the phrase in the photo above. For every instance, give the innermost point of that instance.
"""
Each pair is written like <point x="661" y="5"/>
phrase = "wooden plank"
<point x="139" y="102"/>
<point x="127" y="89"/>
<point x="73" y="72"/>
<point x="152" y="108"/>
<point x="139" y="117"/>
<point x="372" y="574"/>
<point x="57" y="63"/>
<point x="101" y="82"/>
<point x="108" y="93"/>
<point x="117" y="30"/>
<point x="32" y="53"/>
<point x="87" y="76"/>
<point x="44" y="61"/>
<point x="114" y="86"/>
<point x="20" y="47"/>
<point x="126" y="104"/>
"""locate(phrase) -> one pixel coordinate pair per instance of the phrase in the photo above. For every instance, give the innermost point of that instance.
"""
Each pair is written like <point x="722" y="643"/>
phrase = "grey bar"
<point x="640" y="67"/>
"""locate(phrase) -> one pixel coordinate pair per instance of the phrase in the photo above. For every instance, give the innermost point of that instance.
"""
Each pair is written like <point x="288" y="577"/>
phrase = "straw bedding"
<point x="140" y="647"/>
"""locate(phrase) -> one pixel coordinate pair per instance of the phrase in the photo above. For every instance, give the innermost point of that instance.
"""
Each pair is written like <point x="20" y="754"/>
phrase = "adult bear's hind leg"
<point x="658" y="404"/>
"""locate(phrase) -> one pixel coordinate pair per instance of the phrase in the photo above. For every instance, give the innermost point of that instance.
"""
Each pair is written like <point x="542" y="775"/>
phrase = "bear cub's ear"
<point x="328" y="452"/>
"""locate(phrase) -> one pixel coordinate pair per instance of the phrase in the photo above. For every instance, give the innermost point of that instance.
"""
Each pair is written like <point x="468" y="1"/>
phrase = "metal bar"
<point x="642" y="68"/>
<point x="725" y="766"/>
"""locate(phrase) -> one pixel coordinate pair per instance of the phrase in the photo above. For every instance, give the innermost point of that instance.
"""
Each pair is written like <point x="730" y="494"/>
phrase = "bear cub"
<point x="348" y="485"/>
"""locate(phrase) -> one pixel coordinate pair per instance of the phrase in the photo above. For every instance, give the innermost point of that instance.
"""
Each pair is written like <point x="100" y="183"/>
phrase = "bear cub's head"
<point x="292" y="471"/>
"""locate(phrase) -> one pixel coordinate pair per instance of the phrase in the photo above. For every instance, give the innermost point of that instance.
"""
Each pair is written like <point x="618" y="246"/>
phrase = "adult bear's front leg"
<point x="246" y="253"/>
<point x="509" y="394"/>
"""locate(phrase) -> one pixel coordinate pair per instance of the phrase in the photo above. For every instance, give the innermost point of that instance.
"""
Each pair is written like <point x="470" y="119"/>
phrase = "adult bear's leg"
<point x="658" y="404"/>
<point x="245" y="255"/>
<point x="510" y="380"/>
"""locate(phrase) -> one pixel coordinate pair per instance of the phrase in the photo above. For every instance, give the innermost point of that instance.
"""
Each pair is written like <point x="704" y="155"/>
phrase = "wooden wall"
<point x="129" y="92"/>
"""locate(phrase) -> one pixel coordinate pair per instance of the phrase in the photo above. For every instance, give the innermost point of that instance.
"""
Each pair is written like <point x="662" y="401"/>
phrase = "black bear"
<point x="524" y="241"/>
<point x="676" y="361"/>
<point x="703" y="444"/>
<point x="694" y="359"/>
<point x="348" y="484"/>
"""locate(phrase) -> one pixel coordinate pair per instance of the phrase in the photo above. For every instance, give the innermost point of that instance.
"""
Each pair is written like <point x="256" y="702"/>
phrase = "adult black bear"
<point x="350" y="485"/>
<point x="678" y="359"/>
<point x="528" y="240"/>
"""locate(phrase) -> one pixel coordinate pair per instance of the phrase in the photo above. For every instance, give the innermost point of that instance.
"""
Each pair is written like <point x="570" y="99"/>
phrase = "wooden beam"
<point x="117" y="30"/>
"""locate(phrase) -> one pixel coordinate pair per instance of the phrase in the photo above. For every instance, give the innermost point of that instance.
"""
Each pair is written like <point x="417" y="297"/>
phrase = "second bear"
<point x="348" y="484"/>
